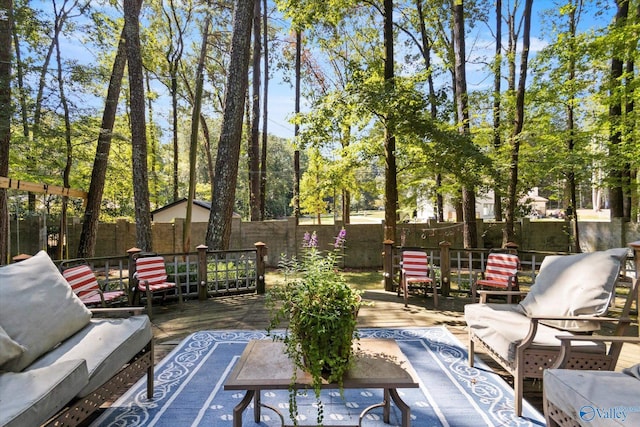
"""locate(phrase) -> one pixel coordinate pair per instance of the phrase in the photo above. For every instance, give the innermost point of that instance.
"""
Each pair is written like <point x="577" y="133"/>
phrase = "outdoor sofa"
<point x="58" y="360"/>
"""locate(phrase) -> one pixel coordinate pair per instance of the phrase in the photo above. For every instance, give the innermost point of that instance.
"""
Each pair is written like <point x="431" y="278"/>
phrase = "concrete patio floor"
<point x="171" y="323"/>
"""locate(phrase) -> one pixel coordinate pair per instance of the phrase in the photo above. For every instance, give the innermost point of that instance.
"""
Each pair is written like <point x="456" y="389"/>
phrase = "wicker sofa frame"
<point x="79" y="410"/>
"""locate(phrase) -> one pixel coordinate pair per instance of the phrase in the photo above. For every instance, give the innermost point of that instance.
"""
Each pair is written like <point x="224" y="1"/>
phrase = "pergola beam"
<point x="31" y="187"/>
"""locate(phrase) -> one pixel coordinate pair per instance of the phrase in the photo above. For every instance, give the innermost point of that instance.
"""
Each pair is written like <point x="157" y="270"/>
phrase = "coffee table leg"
<point x="240" y="407"/>
<point x="256" y="406"/>
<point x="386" y="409"/>
<point x="404" y="408"/>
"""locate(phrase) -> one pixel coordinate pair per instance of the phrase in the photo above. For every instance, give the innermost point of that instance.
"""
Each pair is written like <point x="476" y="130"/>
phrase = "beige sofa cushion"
<point x="31" y="397"/>
<point x="594" y="398"/>
<point x="502" y="327"/>
<point x="105" y="344"/>
<point x="38" y="309"/>
<point x="574" y="285"/>
<point x="9" y="349"/>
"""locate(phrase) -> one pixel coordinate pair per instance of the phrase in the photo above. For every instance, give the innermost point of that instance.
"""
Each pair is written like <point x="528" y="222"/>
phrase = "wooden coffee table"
<point x="379" y="363"/>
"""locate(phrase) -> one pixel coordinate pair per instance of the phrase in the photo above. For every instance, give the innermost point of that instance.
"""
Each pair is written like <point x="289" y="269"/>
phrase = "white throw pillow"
<point x="38" y="308"/>
<point x="574" y="285"/>
<point x="9" y="349"/>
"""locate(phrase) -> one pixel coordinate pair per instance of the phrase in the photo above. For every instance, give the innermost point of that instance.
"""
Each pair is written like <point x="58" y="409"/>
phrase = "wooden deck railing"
<point x="207" y="273"/>
<point x="200" y="274"/>
<point x="456" y="268"/>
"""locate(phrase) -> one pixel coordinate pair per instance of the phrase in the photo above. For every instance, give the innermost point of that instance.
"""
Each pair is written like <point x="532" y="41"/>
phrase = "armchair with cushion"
<point x="570" y="297"/>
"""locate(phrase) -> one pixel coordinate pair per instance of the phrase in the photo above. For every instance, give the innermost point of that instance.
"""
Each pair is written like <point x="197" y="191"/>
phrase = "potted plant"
<point x="321" y="309"/>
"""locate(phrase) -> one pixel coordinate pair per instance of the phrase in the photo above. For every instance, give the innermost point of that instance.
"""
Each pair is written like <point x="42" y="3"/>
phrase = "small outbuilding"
<point x="178" y="209"/>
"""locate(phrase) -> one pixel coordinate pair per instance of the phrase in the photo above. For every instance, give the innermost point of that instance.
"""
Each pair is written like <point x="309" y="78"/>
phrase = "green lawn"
<point x="359" y="279"/>
<point x="358" y="217"/>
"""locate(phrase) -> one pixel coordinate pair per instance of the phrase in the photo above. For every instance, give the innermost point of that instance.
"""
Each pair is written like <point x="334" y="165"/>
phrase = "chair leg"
<point x="471" y="351"/>
<point x="405" y="291"/>
<point x="150" y="372"/>
<point x="149" y="301"/>
<point x="179" y="290"/>
<point x="435" y="293"/>
<point x="518" y="385"/>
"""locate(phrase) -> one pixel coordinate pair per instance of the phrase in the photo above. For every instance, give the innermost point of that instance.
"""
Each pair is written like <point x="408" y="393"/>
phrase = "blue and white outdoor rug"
<point x="189" y="388"/>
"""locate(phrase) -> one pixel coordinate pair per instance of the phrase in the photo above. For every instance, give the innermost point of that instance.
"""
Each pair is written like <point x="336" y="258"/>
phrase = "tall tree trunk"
<point x="67" y="167"/>
<point x="631" y="195"/>
<point x="173" y="55"/>
<point x="254" y="145"/>
<point x="296" y="131"/>
<point x="174" y="114"/>
<point x="462" y="103"/>
<point x="509" y="230"/>
<point x="628" y="174"/>
<point x="616" y="191"/>
<point x="571" y="175"/>
<point x="59" y="21"/>
<point x="265" y="99"/>
<point x="632" y="78"/>
<point x="497" y="96"/>
<point x="6" y="29"/>
<point x="193" y="144"/>
<point x="144" y="239"/>
<point x="87" y="245"/>
<point x="206" y="135"/>
<point x="22" y="93"/>
<point x="153" y="144"/>
<point x="426" y="54"/>
<point x="390" y="172"/>
<point x="346" y="194"/>
<point x="224" y="185"/>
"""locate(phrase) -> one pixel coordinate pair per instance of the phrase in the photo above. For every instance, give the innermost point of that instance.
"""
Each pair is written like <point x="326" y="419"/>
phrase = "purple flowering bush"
<point x="320" y="308"/>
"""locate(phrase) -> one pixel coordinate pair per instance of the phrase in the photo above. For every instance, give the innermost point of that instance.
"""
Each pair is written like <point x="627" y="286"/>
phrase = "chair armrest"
<point x="589" y="318"/>
<point x="565" y="350"/>
<point x="534" y="321"/>
<point x="484" y="294"/>
<point x="117" y="311"/>
<point x="482" y="291"/>
<point x="598" y="338"/>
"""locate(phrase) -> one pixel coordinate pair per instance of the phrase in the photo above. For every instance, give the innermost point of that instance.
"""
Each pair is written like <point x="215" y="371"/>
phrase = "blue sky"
<point x="281" y="94"/>
<point x="479" y="43"/>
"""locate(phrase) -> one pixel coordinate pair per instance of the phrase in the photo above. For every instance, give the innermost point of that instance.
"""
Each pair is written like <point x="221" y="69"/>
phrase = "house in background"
<point x="178" y="209"/>
<point x="536" y="203"/>
<point x="484" y="206"/>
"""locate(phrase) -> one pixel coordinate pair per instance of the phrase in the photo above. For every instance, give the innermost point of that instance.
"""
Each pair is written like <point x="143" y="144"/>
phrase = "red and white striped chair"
<point x="415" y="272"/>
<point x="86" y="287"/>
<point x="151" y="276"/>
<point x="501" y="272"/>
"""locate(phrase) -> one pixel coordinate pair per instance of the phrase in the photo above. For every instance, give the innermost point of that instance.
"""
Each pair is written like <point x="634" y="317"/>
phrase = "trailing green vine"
<point x="321" y="309"/>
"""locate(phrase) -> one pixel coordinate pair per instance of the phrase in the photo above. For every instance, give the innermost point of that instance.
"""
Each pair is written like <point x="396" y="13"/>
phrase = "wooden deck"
<point x="171" y="324"/>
